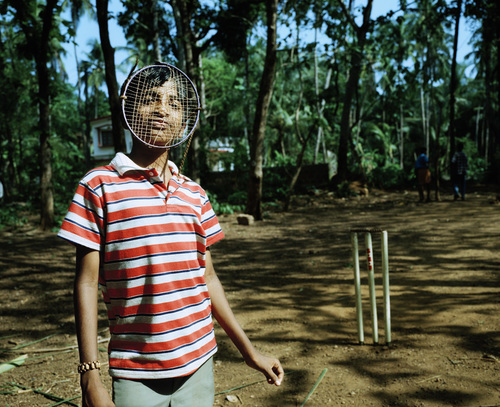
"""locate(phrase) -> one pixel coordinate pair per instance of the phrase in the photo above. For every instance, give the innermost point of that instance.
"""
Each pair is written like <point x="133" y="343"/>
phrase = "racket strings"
<point x="161" y="106"/>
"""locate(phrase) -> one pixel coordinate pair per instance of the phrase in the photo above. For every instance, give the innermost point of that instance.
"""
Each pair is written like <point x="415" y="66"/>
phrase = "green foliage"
<point x="13" y="215"/>
<point x="281" y="160"/>
<point x="387" y="176"/>
<point x="400" y="101"/>
<point x="477" y="166"/>
<point x="343" y="190"/>
<point x="275" y="186"/>
<point x="223" y="208"/>
<point x="238" y="198"/>
<point x="68" y="167"/>
<point x="240" y="156"/>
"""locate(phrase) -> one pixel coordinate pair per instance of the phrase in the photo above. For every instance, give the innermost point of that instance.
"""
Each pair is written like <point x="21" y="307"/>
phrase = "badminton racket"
<point x="160" y="105"/>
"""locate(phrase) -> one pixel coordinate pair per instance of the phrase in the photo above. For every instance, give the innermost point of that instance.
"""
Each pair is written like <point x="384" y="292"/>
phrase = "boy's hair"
<point x="153" y="78"/>
<point x="147" y="79"/>
<point x="460" y="146"/>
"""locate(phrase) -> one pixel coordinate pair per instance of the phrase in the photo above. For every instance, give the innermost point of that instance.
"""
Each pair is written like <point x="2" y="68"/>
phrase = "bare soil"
<point x="289" y="279"/>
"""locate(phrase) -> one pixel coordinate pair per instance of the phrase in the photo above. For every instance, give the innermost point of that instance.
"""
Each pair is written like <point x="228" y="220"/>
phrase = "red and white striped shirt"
<point x="153" y="239"/>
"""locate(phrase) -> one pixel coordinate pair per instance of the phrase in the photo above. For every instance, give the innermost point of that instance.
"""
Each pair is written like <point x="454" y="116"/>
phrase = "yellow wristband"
<point x="86" y="366"/>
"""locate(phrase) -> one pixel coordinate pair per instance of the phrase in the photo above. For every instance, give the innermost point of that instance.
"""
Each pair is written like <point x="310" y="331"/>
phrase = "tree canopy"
<point x="283" y="84"/>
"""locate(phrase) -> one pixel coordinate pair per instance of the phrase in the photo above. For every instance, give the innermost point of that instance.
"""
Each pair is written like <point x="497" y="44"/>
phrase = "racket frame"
<point x="123" y="98"/>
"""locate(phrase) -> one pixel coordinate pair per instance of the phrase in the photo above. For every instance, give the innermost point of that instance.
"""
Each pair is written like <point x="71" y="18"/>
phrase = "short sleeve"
<point x="83" y="224"/>
<point x="210" y="223"/>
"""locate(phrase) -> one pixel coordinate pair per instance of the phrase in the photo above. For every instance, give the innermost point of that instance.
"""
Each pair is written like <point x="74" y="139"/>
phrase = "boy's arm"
<point x="221" y="310"/>
<point x="85" y="300"/>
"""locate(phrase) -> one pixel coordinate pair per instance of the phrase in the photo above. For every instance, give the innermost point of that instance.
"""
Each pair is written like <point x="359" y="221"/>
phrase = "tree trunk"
<point x="401" y="135"/>
<point x="302" y="141"/>
<point x="9" y="174"/>
<point x="453" y="81"/>
<point x="109" y="62"/>
<point x="423" y="114"/>
<point x="156" y="31"/>
<point x="38" y="38"/>
<point x="86" y="135"/>
<point x="351" y="86"/>
<point x="295" y="177"/>
<point x="254" y="199"/>
<point x="320" y="106"/>
<point x="437" y="166"/>
<point x="189" y="58"/>
<point x="45" y="157"/>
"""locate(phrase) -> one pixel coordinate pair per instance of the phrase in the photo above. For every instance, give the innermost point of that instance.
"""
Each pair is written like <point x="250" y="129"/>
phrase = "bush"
<point x="388" y="176"/>
<point x="223" y="208"/>
<point x="237" y="198"/>
<point x="12" y="216"/>
<point x="275" y="185"/>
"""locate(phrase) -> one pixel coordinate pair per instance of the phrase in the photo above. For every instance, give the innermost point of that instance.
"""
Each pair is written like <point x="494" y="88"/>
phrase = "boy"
<point x="143" y="234"/>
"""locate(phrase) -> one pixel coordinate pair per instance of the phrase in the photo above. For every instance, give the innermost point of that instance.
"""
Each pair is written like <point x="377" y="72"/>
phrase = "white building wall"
<point x="103" y="152"/>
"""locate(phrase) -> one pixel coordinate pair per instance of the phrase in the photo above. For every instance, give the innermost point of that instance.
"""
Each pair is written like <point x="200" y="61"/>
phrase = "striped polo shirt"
<point x="153" y="239"/>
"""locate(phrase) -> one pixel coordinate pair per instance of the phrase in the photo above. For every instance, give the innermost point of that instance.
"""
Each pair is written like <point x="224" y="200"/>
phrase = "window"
<point x="105" y="137"/>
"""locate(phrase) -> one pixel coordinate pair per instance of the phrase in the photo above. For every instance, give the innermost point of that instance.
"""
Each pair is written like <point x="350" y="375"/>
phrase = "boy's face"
<point x="160" y="115"/>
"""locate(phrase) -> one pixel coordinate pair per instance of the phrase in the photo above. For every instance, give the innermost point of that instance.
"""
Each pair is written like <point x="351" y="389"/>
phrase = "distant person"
<point x="423" y="174"/>
<point x="459" y="164"/>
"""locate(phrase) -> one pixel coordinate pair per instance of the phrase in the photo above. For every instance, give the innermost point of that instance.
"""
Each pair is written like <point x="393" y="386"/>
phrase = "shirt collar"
<point x="123" y="164"/>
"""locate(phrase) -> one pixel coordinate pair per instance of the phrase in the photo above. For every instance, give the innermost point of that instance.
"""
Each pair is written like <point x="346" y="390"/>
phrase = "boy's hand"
<point x="269" y="366"/>
<point x="94" y="394"/>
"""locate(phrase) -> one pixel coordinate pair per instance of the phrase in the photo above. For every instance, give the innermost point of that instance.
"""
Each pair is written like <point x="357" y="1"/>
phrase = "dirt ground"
<point x="290" y="282"/>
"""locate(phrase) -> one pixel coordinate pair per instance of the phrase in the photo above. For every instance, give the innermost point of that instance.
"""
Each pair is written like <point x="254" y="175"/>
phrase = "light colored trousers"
<point x="196" y="390"/>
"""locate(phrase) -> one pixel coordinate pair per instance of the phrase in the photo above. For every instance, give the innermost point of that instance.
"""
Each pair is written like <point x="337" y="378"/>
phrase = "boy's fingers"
<point x="280" y="372"/>
<point x="276" y="373"/>
<point x="273" y="380"/>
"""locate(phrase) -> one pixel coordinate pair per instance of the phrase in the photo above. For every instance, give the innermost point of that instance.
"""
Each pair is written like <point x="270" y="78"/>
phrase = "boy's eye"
<point x="149" y="99"/>
<point x="175" y="104"/>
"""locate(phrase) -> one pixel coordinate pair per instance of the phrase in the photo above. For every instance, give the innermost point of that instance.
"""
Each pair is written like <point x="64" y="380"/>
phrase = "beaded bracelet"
<point x="86" y="366"/>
